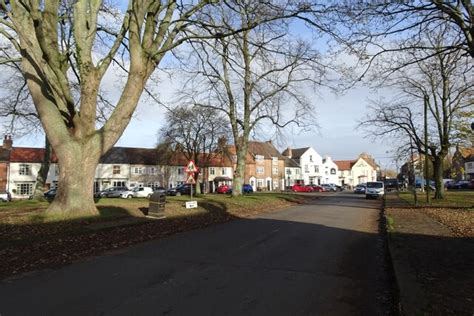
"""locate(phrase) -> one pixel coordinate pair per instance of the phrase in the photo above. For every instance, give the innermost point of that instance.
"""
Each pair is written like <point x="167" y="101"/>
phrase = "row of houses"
<point x="266" y="169"/>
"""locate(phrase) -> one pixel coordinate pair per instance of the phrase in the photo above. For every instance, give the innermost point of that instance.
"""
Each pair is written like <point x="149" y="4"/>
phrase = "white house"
<point x="292" y="172"/>
<point x="310" y="161"/>
<point x="354" y="172"/>
<point x="24" y="164"/>
<point x="330" y="169"/>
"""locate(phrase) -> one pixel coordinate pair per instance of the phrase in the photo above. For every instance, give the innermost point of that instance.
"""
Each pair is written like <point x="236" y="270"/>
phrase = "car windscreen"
<point x="374" y="184"/>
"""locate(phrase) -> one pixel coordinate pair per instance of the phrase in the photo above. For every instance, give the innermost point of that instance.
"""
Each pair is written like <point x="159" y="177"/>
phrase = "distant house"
<point x="330" y="171"/>
<point x="462" y="163"/>
<point x="354" y="172"/>
<point x="23" y="167"/>
<point x="292" y="172"/>
<point x="264" y="166"/>
<point x="311" y="164"/>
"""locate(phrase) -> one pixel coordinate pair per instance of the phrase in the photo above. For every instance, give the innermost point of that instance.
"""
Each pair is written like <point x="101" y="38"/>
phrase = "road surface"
<point x="323" y="258"/>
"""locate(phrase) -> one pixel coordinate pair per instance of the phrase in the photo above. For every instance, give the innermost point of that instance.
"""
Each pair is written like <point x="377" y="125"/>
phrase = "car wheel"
<point x="178" y="193"/>
<point x="148" y="196"/>
<point x="129" y="196"/>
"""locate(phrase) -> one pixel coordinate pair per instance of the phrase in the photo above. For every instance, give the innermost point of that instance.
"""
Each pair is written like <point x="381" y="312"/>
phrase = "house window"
<point x="260" y="170"/>
<point x="316" y="169"/>
<point x="138" y="170"/>
<point x="56" y="171"/>
<point x="306" y="168"/>
<point x="180" y="170"/>
<point x="469" y="165"/>
<point x="310" y="158"/>
<point x="116" y="169"/>
<point x="212" y="171"/>
<point x="275" y="160"/>
<point x="275" y="170"/>
<point x="260" y="183"/>
<point x="119" y="184"/>
<point x="25" y="188"/>
<point x="234" y="158"/>
<point x="333" y="171"/>
<point x="224" y="171"/>
<point x="259" y="158"/>
<point x="151" y="170"/>
<point x="288" y="171"/>
<point x="297" y="171"/>
<point x="25" y="170"/>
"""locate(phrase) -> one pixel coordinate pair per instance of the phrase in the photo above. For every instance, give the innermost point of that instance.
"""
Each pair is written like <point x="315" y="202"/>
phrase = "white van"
<point x="145" y="192"/>
<point x="374" y="189"/>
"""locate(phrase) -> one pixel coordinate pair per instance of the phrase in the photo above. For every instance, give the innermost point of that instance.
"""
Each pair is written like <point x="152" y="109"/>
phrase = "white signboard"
<point x="191" y="204"/>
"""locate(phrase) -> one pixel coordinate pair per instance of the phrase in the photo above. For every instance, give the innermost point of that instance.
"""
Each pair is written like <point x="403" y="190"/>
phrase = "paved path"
<point x="324" y="258"/>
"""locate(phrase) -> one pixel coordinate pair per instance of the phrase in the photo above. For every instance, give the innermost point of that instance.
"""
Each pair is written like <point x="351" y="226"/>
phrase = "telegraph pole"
<point x="427" y="182"/>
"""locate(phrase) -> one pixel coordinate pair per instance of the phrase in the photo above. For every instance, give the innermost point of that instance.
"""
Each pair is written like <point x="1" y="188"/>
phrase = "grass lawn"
<point x="452" y="199"/>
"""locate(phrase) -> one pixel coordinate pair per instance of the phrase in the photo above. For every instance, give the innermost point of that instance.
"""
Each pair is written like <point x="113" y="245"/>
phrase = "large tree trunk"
<point x="241" y="152"/>
<point x="43" y="172"/>
<point x="438" y="171"/>
<point x="77" y="165"/>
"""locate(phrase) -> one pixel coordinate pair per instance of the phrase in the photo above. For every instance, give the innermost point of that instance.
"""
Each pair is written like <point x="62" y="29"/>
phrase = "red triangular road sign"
<point x="191" y="167"/>
<point x="191" y="179"/>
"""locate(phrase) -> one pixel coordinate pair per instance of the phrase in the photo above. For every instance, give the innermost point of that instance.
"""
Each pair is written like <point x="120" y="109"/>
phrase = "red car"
<point x="301" y="188"/>
<point x="318" y="188"/>
<point x="224" y="188"/>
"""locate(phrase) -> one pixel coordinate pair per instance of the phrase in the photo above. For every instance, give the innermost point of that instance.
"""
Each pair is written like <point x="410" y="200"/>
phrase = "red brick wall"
<point x="3" y="176"/>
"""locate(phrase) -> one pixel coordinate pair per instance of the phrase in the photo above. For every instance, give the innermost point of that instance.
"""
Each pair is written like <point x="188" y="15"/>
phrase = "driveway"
<point x="324" y="258"/>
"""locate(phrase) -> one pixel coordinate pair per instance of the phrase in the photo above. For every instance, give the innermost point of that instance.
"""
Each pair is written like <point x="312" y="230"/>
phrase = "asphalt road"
<point x="324" y="258"/>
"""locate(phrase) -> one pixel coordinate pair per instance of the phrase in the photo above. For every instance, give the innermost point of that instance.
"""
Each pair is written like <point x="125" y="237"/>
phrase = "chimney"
<point x="7" y="142"/>
<point x="289" y="152"/>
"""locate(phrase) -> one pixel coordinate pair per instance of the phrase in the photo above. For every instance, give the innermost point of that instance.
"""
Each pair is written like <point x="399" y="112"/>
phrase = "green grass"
<point x="390" y="223"/>
<point x="452" y="199"/>
<point x="28" y="212"/>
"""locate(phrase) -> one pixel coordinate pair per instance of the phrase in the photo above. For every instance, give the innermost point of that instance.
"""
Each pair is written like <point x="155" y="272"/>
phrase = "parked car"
<point x="50" y="194"/>
<point x="112" y="192"/>
<point x="246" y="189"/>
<point x="301" y="188"/>
<point x="359" y="189"/>
<point x="181" y="189"/>
<point x="5" y="196"/>
<point x="160" y="189"/>
<point x="374" y="190"/>
<point x="463" y="184"/>
<point x="329" y="187"/>
<point x="139" y="192"/>
<point x="391" y="184"/>
<point x="318" y="188"/>
<point x="224" y="188"/>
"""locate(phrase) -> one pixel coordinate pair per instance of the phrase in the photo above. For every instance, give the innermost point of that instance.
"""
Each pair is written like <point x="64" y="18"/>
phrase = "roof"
<point x="298" y="152"/>
<point x="29" y="154"/>
<point x="466" y="152"/>
<point x="344" y="164"/>
<point x="130" y="155"/>
<point x="290" y="163"/>
<point x="266" y="149"/>
<point x="367" y="158"/>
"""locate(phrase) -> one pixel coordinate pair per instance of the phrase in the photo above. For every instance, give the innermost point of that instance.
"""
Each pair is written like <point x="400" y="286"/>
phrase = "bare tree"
<point x="371" y="29"/>
<point x="196" y="134"/>
<point x="444" y="85"/>
<point x="256" y="77"/>
<point x="56" y="43"/>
